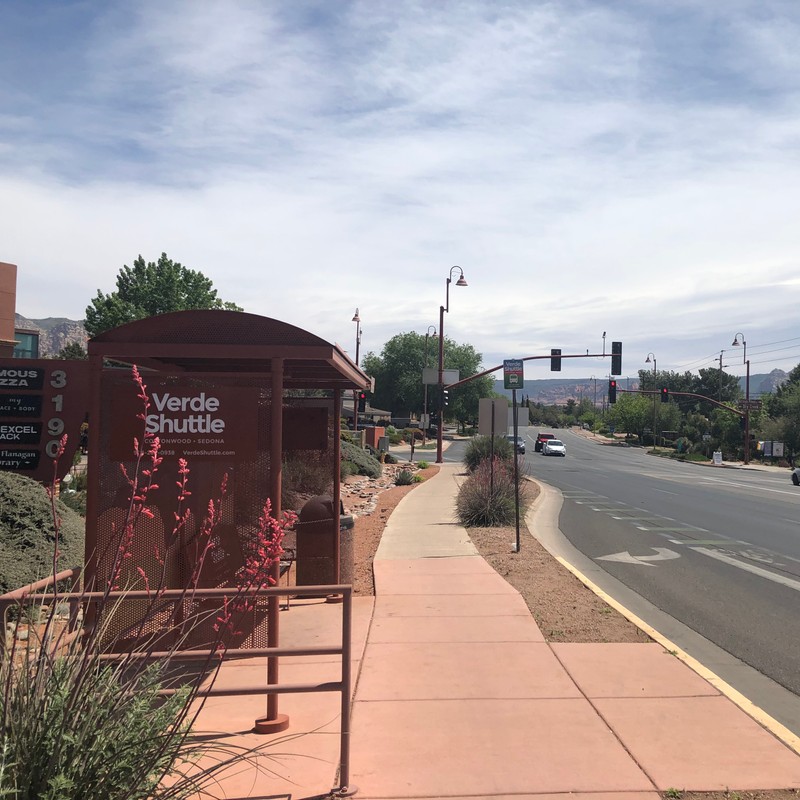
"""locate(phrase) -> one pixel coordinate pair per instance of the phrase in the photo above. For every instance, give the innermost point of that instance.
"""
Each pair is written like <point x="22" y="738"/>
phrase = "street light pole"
<point x="357" y="320"/>
<point x="442" y="309"/>
<point x="746" y="397"/>
<point x="426" y="421"/>
<point x="655" y="407"/>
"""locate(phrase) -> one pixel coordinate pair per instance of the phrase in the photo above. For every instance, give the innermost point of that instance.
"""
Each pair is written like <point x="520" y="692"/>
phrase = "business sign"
<point x="41" y="400"/>
<point x="20" y="405"/>
<point x="770" y="449"/>
<point x="191" y="421"/>
<point x="513" y="374"/>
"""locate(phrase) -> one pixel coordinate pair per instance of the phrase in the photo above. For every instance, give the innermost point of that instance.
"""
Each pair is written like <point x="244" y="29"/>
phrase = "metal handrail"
<point x="30" y="593"/>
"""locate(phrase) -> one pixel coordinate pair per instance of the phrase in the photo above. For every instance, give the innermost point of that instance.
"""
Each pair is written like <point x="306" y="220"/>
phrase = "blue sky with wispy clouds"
<point x="628" y="166"/>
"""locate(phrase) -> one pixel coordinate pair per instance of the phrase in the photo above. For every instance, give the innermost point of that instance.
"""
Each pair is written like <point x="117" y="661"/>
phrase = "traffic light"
<point x="664" y="394"/>
<point x="445" y="398"/>
<point x="555" y="359"/>
<point x="612" y="391"/>
<point x="616" y="358"/>
<point x="742" y="422"/>
<point x="362" y="401"/>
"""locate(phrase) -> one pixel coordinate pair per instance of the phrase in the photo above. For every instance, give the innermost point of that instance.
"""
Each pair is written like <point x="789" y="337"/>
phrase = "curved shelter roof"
<point x="230" y="342"/>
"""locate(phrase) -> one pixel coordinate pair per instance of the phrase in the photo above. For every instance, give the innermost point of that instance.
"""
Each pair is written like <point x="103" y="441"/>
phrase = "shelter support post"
<point x="274" y="721"/>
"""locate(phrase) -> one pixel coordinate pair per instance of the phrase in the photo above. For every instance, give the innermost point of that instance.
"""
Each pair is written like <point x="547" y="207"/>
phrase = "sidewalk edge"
<point x="750" y="708"/>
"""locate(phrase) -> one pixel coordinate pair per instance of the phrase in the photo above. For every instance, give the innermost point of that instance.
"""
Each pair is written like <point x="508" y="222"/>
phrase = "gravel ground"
<point x="564" y="609"/>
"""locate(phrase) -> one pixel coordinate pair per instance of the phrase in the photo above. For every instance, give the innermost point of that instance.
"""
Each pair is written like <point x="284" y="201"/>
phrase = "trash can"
<point x="317" y="528"/>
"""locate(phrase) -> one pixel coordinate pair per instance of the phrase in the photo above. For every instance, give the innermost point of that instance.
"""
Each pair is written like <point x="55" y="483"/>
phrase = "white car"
<point x="553" y="447"/>
<point x="796" y="476"/>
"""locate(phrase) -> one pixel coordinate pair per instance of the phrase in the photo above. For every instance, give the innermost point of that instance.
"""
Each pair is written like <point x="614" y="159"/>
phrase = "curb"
<point x="758" y="714"/>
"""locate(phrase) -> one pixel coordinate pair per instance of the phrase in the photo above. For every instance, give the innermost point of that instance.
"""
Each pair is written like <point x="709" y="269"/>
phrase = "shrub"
<point x="27" y="537"/>
<point x="485" y="500"/>
<point x="480" y="449"/>
<point x="423" y="464"/>
<point x="367" y="465"/>
<point x="418" y="478"/>
<point x="74" y="500"/>
<point x="388" y="458"/>
<point x="414" y="434"/>
<point x="348" y="468"/>
<point x="404" y="478"/>
<point x="304" y="477"/>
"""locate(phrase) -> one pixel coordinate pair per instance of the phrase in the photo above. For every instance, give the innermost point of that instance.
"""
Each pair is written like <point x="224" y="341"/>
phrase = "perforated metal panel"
<point x="165" y="556"/>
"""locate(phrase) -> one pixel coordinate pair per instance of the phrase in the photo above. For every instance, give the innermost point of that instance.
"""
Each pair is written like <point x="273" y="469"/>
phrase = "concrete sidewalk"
<point x="459" y="696"/>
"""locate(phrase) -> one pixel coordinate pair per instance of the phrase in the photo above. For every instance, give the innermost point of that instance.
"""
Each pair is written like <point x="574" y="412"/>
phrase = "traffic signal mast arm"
<point x="527" y="358"/>
<point x="685" y="394"/>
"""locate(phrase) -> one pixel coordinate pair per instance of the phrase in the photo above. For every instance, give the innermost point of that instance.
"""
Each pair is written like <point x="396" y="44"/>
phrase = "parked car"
<point x="554" y="447"/>
<point x="517" y="441"/>
<point x="541" y="439"/>
<point x="796" y="476"/>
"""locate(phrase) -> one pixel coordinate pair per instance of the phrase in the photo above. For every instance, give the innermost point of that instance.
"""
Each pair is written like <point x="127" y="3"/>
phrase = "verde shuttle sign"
<point x="513" y="375"/>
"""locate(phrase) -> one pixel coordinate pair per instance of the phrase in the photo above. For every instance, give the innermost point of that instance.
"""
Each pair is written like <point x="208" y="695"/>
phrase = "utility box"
<point x="318" y="529"/>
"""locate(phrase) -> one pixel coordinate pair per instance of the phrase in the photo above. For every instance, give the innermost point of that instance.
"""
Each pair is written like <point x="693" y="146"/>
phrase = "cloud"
<point x="591" y="166"/>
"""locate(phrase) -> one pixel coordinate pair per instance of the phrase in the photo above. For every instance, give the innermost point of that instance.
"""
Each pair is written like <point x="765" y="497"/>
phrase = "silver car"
<point x="554" y="447"/>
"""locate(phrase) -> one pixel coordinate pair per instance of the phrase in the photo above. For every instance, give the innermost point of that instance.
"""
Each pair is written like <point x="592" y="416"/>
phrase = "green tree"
<point x="73" y="351"/>
<point x="727" y="434"/>
<point x="718" y="385"/>
<point x="783" y="423"/>
<point x="398" y="376"/>
<point x="465" y="399"/>
<point x="632" y="413"/>
<point x="151" y="288"/>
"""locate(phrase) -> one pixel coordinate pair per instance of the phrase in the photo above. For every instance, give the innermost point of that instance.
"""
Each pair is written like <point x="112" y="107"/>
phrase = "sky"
<point x="629" y="167"/>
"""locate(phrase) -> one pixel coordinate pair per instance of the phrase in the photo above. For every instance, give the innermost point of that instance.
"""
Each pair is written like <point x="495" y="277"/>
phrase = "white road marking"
<point x="748" y="486"/>
<point x="672" y="528"/>
<point x="662" y="554"/>
<point x="763" y="573"/>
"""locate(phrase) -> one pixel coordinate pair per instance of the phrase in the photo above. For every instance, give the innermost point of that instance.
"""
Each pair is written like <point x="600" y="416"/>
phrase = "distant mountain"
<point x="557" y="391"/>
<point x="54" y="333"/>
<point x="765" y="384"/>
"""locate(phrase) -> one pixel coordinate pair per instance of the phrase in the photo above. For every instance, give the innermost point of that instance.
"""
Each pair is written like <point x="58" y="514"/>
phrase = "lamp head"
<point x="736" y="342"/>
<point x="462" y="281"/>
<point x="648" y="359"/>
<point x="356" y="318"/>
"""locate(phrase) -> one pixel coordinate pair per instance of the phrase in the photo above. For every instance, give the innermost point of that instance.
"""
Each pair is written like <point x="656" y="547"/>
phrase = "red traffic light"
<point x="612" y="391"/>
<point x="664" y="394"/>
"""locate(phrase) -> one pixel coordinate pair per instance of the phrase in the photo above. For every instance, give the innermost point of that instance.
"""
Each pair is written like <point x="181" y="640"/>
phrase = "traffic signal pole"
<point x="485" y="372"/>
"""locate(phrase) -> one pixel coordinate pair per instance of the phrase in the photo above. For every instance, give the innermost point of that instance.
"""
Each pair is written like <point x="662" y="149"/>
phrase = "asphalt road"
<point x="716" y="549"/>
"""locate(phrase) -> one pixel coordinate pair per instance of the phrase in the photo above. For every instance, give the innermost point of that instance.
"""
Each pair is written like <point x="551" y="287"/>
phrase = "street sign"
<point x="749" y="405"/>
<point x="492" y="416"/>
<point x="430" y="375"/>
<point x="513" y="375"/>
